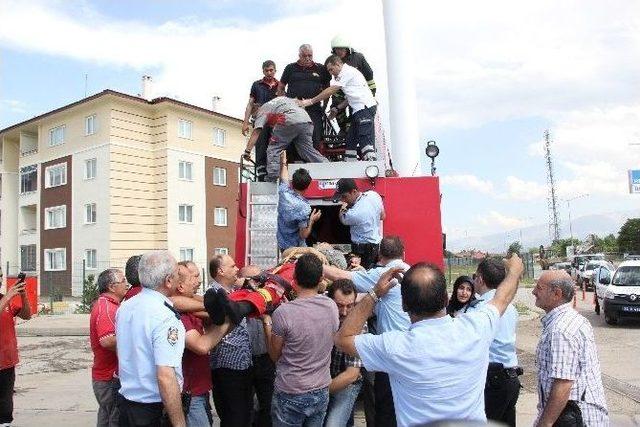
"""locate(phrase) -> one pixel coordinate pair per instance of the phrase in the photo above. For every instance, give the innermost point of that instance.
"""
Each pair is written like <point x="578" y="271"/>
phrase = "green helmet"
<point x="339" y="41"/>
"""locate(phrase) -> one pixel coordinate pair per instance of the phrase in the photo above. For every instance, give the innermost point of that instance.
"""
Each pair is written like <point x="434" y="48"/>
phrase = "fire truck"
<point x="412" y="203"/>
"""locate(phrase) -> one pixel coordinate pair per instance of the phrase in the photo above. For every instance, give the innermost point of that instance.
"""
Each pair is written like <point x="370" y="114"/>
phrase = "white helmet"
<point x="340" y="41"/>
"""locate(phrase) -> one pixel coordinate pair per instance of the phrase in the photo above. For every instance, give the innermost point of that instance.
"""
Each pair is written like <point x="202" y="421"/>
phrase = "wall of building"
<point x="90" y="236"/>
<point x="8" y="207"/>
<point x="137" y="180"/>
<point x="217" y="196"/>
<point x="59" y="237"/>
<point x="180" y="191"/>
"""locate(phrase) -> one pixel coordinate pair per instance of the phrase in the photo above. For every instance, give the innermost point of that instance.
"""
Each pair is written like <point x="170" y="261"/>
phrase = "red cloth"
<point x="195" y="367"/>
<point x="102" y="323"/>
<point x="8" y="340"/>
<point x="132" y="292"/>
<point x="275" y="119"/>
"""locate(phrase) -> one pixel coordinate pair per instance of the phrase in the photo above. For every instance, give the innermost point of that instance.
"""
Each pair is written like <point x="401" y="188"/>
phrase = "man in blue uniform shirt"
<point x="150" y="342"/>
<point x="362" y="212"/>
<point x="502" y="388"/>
<point x="436" y="368"/>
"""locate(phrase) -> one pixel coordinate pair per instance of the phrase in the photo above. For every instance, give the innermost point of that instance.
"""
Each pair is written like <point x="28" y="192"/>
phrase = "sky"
<point x="490" y="76"/>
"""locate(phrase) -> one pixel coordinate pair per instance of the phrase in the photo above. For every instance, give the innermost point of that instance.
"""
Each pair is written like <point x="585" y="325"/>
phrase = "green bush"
<point x="89" y="295"/>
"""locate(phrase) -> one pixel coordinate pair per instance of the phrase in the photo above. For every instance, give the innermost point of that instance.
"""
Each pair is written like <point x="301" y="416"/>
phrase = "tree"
<point x="608" y="244"/>
<point x="559" y="247"/>
<point x="515" y="248"/>
<point x="629" y="236"/>
<point x="89" y="295"/>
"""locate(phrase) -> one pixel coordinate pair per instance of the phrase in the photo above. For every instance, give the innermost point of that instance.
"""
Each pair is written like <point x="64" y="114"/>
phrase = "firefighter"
<point x="342" y="47"/>
<point x="263" y="90"/>
<point x="361" y="134"/>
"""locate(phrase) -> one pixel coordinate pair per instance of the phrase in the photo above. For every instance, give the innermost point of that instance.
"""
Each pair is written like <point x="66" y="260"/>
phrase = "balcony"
<point x="28" y="144"/>
<point x="28" y="152"/>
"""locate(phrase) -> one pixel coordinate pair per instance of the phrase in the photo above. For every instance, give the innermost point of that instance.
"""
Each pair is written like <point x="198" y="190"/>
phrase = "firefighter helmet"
<point x="340" y="41"/>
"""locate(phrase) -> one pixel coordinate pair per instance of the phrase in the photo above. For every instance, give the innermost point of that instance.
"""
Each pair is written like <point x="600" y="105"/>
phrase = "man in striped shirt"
<point x="567" y="359"/>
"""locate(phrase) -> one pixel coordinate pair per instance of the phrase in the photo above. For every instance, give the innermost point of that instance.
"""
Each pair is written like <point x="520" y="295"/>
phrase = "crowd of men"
<point x="289" y="114"/>
<point x="298" y="344"/>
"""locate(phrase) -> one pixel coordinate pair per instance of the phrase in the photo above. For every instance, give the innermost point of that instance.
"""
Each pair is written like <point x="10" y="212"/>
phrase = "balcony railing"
<point x="28" y="231"/>
<point x="24" y="153"/>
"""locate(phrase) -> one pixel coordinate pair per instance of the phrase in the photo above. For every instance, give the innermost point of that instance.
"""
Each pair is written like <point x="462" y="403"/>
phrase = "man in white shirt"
<point x="437" y="368"/>
<point x="361" y="134"/>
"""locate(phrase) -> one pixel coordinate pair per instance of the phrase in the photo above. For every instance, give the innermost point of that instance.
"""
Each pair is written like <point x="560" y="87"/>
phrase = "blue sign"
<point x="634" y="182"/>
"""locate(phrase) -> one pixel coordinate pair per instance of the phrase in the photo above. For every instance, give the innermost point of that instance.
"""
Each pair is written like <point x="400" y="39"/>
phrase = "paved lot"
<point x="54" y="387"/>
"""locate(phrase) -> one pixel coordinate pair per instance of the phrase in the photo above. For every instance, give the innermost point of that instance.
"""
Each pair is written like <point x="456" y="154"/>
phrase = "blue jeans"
<point x="341" y="405"/>
<point x="299" y="410"/>
<point x="199" y="411"/>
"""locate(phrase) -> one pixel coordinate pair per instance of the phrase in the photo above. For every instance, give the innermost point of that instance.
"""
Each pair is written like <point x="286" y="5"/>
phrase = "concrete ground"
<point x="53" y="384"/>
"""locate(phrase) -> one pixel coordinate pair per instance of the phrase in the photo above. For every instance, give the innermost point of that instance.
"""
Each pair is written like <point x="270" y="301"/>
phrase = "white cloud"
<point x="469" y="182"/>
<point x="496" y="220"/>
<point x="13" y="106"/>
<point x="521" y="190"/>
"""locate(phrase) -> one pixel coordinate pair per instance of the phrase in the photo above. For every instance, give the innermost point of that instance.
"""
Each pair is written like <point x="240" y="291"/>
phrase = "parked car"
<point x="618" y="294"/>
<point x="566" y="266"/>
<point x="587" y="272"/>
<point x="579" y="262"/>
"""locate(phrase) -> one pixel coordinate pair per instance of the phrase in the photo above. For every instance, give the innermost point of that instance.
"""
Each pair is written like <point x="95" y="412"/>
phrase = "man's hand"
<point x="386" y="281"/>
<point x="315" y="215"/>
<point x="514" y="265"/>
<point x="16" y="289"/>
<point x="245" y="128"/>
<point x="304" y="103"/>
<point x="333" y="112"/>
<point x="247" y="154"/>
<point x="283" y="158"/>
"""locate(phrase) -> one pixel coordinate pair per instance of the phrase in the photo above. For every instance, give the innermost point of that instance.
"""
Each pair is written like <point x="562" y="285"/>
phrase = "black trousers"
<point x="261" y="153"/>
<point x="232" y="396"/>
<point x="263" y="374"/>
<point x="135" y="414"/>
<point x="385" y="410"/>
<point x="7" y="381"/>
<point x="316" y="114"/>
<point x="368" y="253"/>
<point x="501" y="393"/>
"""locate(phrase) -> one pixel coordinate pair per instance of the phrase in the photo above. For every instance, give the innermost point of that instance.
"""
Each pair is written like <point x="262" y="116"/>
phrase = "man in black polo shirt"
<point x="305" y="79"/>
<point x="262" y="91"/>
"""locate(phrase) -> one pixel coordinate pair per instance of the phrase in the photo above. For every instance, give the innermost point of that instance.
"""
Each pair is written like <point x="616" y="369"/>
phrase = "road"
<point x="53" y="383"/>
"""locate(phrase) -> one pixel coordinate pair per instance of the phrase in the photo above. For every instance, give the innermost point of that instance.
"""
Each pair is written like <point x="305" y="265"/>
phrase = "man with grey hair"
<point x="570" y="383"/>
<point x="305" y="79"/>
<point x="112" y="287"/>
<point x="150" y="343"/>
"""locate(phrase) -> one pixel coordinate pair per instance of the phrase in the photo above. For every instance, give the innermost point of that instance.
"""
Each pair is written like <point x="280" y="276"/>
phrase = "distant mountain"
<point x="535" y="235"/>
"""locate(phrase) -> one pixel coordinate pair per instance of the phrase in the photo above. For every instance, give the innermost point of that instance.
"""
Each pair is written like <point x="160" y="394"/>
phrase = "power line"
<point x="554" y="222"/>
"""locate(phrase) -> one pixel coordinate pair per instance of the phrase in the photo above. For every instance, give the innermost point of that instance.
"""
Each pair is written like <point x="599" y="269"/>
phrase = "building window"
<point x="28" y="257"/>
<point x="184" y="129"/>
<point x="185" y="170"/>
<point x="221" y="251"/>
<point x="55" y="259"/>
<point x="90" y="213"/>
<point x="55" y="217"/>
<point x="90" y="125"/>
<point x="56" y="136"/>
<point x="28" y="179"/>
<point x="186" y="254"/>
<point x="91" y="259"/>
<point x="56" y="175"/>
<point x="185" y="214"/>
<point x="90" y="168"/>
<point x="219" y="137"/>
<point x="220" y="217"/>
<point x="220" y="176"/>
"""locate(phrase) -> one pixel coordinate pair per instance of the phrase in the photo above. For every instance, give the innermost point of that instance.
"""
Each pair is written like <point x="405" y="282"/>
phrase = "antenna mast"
<point x="554" y="224"/>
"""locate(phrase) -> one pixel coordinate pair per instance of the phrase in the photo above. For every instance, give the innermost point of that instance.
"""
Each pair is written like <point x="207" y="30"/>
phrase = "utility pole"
<point x="569" y="209"/>
<point x="554" y="222"/>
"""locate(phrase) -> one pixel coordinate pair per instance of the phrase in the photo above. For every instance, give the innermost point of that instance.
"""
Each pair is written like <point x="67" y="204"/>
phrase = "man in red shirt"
<point x="112" y="287"/>
<point x="198" y="343"/>
<point x="10" y="307"/>
<point x="131" y="273"/>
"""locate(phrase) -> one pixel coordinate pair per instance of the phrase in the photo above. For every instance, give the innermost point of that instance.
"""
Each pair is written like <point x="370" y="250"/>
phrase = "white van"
<point x="619" y="293"/>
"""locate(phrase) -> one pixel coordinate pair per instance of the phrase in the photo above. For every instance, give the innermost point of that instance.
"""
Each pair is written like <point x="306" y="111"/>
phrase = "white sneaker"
<point x="370" y="157"/>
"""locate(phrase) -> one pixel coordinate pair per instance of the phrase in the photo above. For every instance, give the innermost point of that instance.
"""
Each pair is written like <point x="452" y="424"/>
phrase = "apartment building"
<point x="114" y="175"/>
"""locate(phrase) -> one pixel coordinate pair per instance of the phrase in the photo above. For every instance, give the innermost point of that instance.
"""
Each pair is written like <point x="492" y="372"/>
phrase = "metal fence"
<point x="464" y="266"/>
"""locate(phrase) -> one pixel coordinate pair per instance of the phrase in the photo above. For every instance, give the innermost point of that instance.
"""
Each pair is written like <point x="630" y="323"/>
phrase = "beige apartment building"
<point x="86" y="186"/>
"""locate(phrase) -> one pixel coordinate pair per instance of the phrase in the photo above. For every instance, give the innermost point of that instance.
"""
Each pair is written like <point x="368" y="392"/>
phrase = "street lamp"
<point x="432" y="152"/>
<point x="569" y="209"/>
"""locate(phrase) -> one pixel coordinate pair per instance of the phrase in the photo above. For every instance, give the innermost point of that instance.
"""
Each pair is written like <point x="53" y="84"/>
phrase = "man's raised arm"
<point x="509" y="286"/>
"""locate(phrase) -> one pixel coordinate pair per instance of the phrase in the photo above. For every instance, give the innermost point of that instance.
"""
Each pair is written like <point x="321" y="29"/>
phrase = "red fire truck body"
<point x="412" y="207"/>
